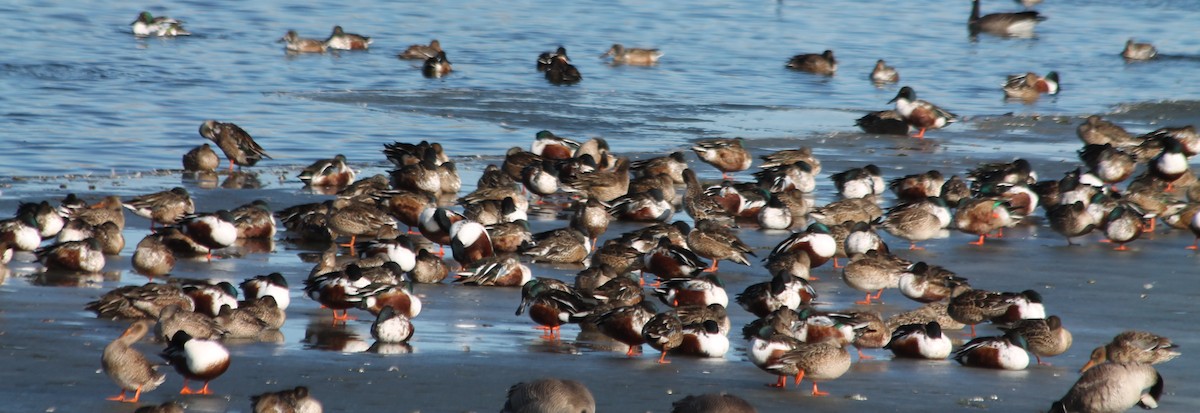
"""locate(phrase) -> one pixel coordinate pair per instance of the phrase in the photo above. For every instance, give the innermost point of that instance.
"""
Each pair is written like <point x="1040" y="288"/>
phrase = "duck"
<point x="420" y="51"/>
<point x="152" y="257"/>
<point x="357" y="218"/>
<point x="391" y="327"/>
<point x="83" y="256"/>
<point x="918" y="187"/>
<point x="1123" y="225"/>
<point x="108" y="209"/>
<point x="926" y="283"/>
<point x="974" y="306"/>
<point x="883" y="122"/>
<point x="815" y="241"/>
<point x="164" y="208"/>
<point x="562" y="72"/>
<point x="727" y="155"/>
<point x="340" y="40"/>
<point x="546" y="59"/>
<point x="254" y="220"/>
<point x="196" y="359"/>
<point x="549" y="395"/>
<point x="783" y="291"/>
<point x="110" y="236"/>
<point x="550" y="146"/>
<point x="1138" y="51"/>
<point x="1171" y="164"/>
<point x="1046" y="337"/>
<point x="624" y="324"/>
<point x="470" y="242"/>
<point x="703" y="340"/>
<point x="266" y="309"/>
<point x="699" y="205"/>
<point x="821" y="64"/>
<point x="919" y="113"/>
<point x="328" y="173"/>
<point x="670" y="261"/>
<point x="238" y="146"/>
<point x="1109" y="163"/>
<point x="209" y="295"/>
<point x="818" y="361"/>
<point x="592" y="218"/>
<point x="1007" y="352"/>
<point x="935" y="311"/>
<point x="712" y="403"/>
<point x="340" y="290"/>
<point x="210" y="230"/>
<point x="1194" y="226"/>
<point x="437" y="66"/>
<point x="272" y="285"/>
<point x="1030" y="86"/>
<point x="293" y="43"/>
<point x="914" y="224"/>
<point x="775" y="215"/>
<point x="297" y="400"/>
<point x="161" y="26"/>
<point x="403" y="154"/>
<point x="632" y="56"/>
<point x="1096" y="131"/>
<point x="551" y="305"/>
<point x="863" y="238"/>
<point x="48" y="219"/>
<point x="239" y="323"/>
<point x="499" y="270"/>
<point x="982" y="216"/>
<point x="700" y="290"/>
<point x="846" y="210"/>
<point x="920" y="341"/>
<point x="664" y="332"/>
<point x="134" y="302"/>
<point x="603" y="185"/>
<point x="671" y="165"/>
<point x="955" y="190"/>
<point x="1113" y="387"/>
<point x="509" y="237"/>
<point x="1019" y="24"/>
<point x="794" y="178"/>
<point x="859" y="182"/>
<point x="716" y="241"/>
<point x="874" y="271"/>
<point x="649" y="206"/>
<point x="883" y="74"/>
<point x="435" y="225"/>
<point x="791" y="156"/>
<point x="128" y="367"/>
<point x="1133" y="346"/>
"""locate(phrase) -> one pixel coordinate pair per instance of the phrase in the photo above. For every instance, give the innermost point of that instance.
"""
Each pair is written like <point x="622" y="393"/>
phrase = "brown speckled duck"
<point x="549" y="395"/>
<point x="163" y="208"/>
<point x="128" y="367"/>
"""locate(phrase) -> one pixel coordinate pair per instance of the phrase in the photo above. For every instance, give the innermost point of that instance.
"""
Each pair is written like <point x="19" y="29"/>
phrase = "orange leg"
<point x="1040" y="362"/>
<point x="1151" y="228"/>
<point x="818" y="393"/>
<point x="862" y="356"/>
<point x="121" y="397"/>
<point x="799" y="376"/>
<point x="921" y="134"/>
<point x="972" y="330"/>
<point x="441" y="250"/>
<point x="1121" y="247"/>
<point x="231" y="165"/>
<point x="353" y="238"/>
<point x="185" y="389"/>
<point x="204" y="390"/>
<point x="633" y="351"/>
<point x="912" y="246"/>
<point x="865" y="301"/>
<point x="980" y="242"/>
<point x="663" y="358"/>
<point x="1195" y="245"/>
<point x="713" y="267"/>
<point x="343" y="318"/>
<point x="878" y="294"/>
<point x="835" y="263"/>
<point x="781" y="383"/>
<point x="725" y="176"/>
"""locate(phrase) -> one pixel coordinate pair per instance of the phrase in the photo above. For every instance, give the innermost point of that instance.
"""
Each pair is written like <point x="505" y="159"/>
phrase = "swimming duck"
<point x="727" y="155"/>
<point x="1123" y="225"/>
<point x="1046" y="337"/>
<point x="161" y="26"/>
<point x="238" y="146"/>
<point x="701" y="290"/>
<point x="273" y="285"/>
<point x="1007" y="352"/>
<point x="1133" y="347"/>
<point x="211" y="230"/>
<point x="128" y="367"/>
<point x="296" y="44"/>
<point x="632" y="55"/>
<point x="919" y="113"/>
<point x="874" y="271"/>
<point x="340" y="40"/>
<point x="1097" y="131"/>
<point x="546" y="59"/>
<point x="1138" y="51"/>
<point x="1019" y="24"/>
<point x="563" y="245"/>
<point x="712" y="403"/>
<point x="48" y="219"/>
<point x="437" y="66"/>
<point x="716" y="241"/>
<point x="882" y="73"/>
<point x="1030" y="86"/>
<point x="420" y="51"/>
<point x="814" y="241"/>
<point x="328" y="172"/>
<point x="672" y="165"/>
<point x="859" y="182"/>
<point x="562" y="72"/>
<point x="152" y="257"/>
<point x="21" y="232"/>
<point x="923" y="341"/>
<point x="1113" y="387"/>
<point x="821" y="64"/>
<point x="165" y="207"/>
<point x="549" y="395"/>
<point x="883" y="122"/>
<point x="783" y="291"/>
<point x="84" y="256"/>
<point x="139" y="301"/>
<point x="391" y="327"/>
<point x="498" y="270"/>
<point x="818" y="361"/>
<point x="664" y="332"/>
<point x="982" y="216"/>
<point x="196" y="359"/>
<point x="297" y="400"/>
<point x="926" y="283"/>
<point x="625" y="323"/>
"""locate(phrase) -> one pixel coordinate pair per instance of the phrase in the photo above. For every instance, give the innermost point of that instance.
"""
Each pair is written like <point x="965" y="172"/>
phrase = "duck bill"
<point x="524" y="304"/>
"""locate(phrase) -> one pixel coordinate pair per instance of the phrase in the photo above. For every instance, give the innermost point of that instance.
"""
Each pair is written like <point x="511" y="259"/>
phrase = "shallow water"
<point x="89" y="109"/>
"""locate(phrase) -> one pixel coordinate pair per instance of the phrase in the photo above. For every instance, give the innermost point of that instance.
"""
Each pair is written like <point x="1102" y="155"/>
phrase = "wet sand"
<point x="469" y="347"/>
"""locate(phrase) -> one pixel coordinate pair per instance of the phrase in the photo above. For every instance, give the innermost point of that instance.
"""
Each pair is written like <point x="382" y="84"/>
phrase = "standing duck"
<point x="592" y="217"/>
<point x="128" y="367"/>
<point x="338" y="290"/>
<point x="883" y="122"/>
<point x="237" y="145"/>
<point x="983" y="216"/>
<point x="727" y="155"/>
<point x="815" y="241"/>
<point x="254" y="220"/>
<point x="340" y="40"/>
<point x="697" y="204"/>
<point x="874" y="271"/>
<point x="1123" y="225"/>
<point x="196" y="359"/>
<point x="664" y="332"/>
<point x="1109" y="163"/>
<point x="1019" y="24"/>
<point x="354" y="218"/>
<point x="716" y="241"/>
<point x="391" y="327"/>
<point x="818" y="361"/>
<point x="919" y="113"/>
<point x="625" y="323"/>
<point x="164" y="208"/>
<point x="328" y="173"/>
<point x="1113" y="387"/>
<point x="672" y="165"/>
<point x="821" y="64"/>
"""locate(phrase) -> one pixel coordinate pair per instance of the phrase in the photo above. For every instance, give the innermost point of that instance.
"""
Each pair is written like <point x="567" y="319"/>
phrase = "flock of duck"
<point x="491" y="244"/>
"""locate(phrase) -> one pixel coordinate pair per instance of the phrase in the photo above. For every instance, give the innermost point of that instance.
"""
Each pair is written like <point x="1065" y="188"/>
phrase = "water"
<point x="81" y="97"/>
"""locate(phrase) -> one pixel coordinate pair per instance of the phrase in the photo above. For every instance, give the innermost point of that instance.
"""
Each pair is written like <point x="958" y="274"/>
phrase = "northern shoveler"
<point x="1007" y="352"/>
<point x="727" y="155"/>
<point x="546" y="59"/>
<point x="420" y="51"/>
<point x="402" y="154"/>
<point x="562" y="72"/>
<point x="859" y="182"/>
<point x="391" y="326"/>
<point x="196" y="359"/>
<point x="552" y="304"/>
<point x="919" y="113"/>
<point x="863" y="238"/>
<point x="1019" y="24"/>
<point x="1029" y="86"/>
<point x="498" y="270"/>
<point x="437" y="66"/>
<point x="84" y="256"/>
<point x="702" y="290"/>
<point x="1138" y="51"/>
<point x="201" y="159"/>
<point x="703" y="340"/>
<point x="165" y="207"/>
<point x="923" y="341"/>
<point x="672" y="165"/>
<point x="470" y="242"/>
<point x="240" y="324"/>
<point x="340" y="290"/>
<point x="48" y="219"/>
<point x="1133" y="347"/>
<point x="818" y="361"/>
<point x="128" y="367"/>
<point x="625" y="323"/>
<point x="1097" y="131"/>
<point x="849" y="209"/>
<point x="293" y="43"/>
<point x="712" y="402"/>
<point x="108" y="209"/>
<point x="549" y="395"/>
<point x="272" y="284"/>
<point x="668" y="261"/>
<point x="815" y="241"/>
<point x="926" y="283"/>
<point x="435" y="224"/>
<point x="791" y="156"/>
<point x="1171" y="164"/>
<point x="209" y="295"/>
<point x="883" y="122"/>
<point x="882" y="73"/>
<point x="356" y="218"/>
<point x="783" y="291"/>
<point x="664" y="332"/>
<point x="917" y="187"/>
<point x="1123" y="225"/>
<point x="1046" y="337"/>
<point x="494" y="177"/>
<point x="716" y="241"/>
<point x="795" y="177"/>
<point x="632" y="55"/>
<point x="174" y="318"/>
<point x="238" y="146"/>
<point x="298" y="400"/>
<point x="973" y="306"/>
<point x="211" y="230"/>
<point x="821" y="64"/>
<point x="21" y="232"/>
<point x="254" y="220"/>
<point x="646" y="206"/>
<point x="914" y="224"/>
<point x="161" y="26"/>
<point x="152" y="257"/>
<point x="982" y="216"/>
<point x="774" y="215"/>
<point x="550" y="146"/>
<point x="328" y="172"/>
<point x="340" y="40"/>
<point x="1113" y="387"/>
<point x="592" y="218"/>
